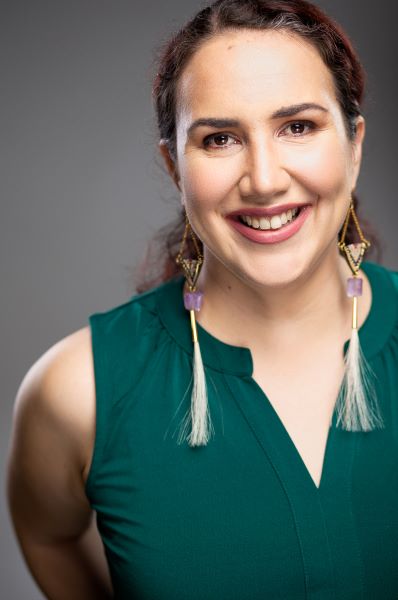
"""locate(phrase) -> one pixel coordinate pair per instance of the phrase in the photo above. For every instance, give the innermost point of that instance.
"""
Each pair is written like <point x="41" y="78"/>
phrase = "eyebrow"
<point x="285" y="111"/>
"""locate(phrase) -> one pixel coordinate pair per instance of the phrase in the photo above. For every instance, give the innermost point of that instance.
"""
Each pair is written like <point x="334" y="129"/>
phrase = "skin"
<point x="281" y="295"/>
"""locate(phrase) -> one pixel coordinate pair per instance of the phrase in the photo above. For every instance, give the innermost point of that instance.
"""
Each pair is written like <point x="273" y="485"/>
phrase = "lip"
<point x="271" y="236"/>
<point x="265" y="212"/>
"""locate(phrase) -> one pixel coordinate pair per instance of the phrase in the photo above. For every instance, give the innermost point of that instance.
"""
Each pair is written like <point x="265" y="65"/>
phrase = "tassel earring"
<point x="198" y="413"/>
<point x="357" y="408"/>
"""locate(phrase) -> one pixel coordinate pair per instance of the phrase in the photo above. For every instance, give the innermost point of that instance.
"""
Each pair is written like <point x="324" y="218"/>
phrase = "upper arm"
<point x="52" y="436"/>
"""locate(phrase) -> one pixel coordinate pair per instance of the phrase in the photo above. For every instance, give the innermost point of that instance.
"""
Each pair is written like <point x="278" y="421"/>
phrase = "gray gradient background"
<point x="82" y="187"/>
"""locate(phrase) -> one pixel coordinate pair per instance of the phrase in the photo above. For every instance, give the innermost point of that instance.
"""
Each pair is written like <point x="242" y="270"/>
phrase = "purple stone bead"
<point x="193" y="300"/>
<point x="354" y="286"/>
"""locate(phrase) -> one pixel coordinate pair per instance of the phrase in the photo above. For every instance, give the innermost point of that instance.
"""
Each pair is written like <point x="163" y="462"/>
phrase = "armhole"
<point x="102" y="400"/>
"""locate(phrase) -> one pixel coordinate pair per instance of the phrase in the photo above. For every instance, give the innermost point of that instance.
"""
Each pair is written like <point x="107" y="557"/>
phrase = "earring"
<point x="357" y="407"/>
<point x="198" y="412"/>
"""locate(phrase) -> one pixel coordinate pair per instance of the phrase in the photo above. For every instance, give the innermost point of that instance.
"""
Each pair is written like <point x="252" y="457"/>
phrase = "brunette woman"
<point x="234" y="426"/>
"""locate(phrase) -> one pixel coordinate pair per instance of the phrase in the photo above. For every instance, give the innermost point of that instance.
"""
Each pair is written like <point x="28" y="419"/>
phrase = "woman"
<point x="283" y="482"/>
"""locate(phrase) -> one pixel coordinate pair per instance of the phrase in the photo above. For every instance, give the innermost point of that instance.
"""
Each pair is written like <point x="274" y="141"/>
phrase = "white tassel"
<point x="198" y="414"/>
<point x="201" y="421"/>
<point x="357" y="407"/>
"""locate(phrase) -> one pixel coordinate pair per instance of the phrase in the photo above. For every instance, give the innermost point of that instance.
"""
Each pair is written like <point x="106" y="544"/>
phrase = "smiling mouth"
<point x="270" y="223"/>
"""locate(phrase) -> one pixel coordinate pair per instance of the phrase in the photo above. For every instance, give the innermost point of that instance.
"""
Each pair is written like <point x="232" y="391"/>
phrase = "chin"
<point x="273" y="276"/>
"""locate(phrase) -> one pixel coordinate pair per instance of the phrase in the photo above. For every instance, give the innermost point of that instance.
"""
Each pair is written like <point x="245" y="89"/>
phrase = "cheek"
<point x="207" y="182"/>
<point x="322" y="168"/>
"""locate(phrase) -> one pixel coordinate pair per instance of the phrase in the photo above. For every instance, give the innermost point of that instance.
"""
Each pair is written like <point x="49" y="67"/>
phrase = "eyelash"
<point x="309" y="124"/>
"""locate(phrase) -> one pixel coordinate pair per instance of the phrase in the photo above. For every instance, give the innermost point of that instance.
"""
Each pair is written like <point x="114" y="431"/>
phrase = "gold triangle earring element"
<point x="198" y="414"/>
<point x="357" y="406"/>
<point x="354" y="254"/>
<point x="190" y="266"/>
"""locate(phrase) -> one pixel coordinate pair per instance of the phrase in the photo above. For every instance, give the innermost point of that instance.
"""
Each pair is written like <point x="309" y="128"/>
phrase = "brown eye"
<point x="221" y="139"/>
<point x="218" y="140"/>
<point x="299" y="128"/>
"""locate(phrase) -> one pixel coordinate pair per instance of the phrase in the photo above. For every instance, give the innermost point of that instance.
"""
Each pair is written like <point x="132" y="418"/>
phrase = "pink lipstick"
<point x="269" y="236"/>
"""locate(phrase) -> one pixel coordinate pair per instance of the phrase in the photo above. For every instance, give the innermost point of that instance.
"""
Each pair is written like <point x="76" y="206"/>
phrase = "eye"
<point x="298" y="128"/>
<point x="218" y="140"/>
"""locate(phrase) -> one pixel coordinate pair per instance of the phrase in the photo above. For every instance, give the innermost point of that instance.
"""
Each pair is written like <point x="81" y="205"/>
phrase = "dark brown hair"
<point x="298" y="17"/>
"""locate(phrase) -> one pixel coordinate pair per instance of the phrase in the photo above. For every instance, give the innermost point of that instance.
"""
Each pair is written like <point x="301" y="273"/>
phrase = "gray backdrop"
<point x="82" y="189"/>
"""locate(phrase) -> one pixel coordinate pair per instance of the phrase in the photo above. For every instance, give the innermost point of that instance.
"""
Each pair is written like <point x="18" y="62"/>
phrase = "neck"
<point x="277" y="316"/>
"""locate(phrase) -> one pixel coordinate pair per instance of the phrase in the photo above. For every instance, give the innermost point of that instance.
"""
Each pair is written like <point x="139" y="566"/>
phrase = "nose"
<point x="264" y="175"/>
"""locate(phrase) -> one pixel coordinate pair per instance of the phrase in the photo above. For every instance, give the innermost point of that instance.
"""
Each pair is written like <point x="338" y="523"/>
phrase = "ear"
<point x="357" y="148"/>
<point x="169" y="162"/>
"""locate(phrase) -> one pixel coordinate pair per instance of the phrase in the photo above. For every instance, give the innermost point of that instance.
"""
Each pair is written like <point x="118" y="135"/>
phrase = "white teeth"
<point x="255" y="223"/>
<point x="275" y="222"/>
<point x="264" y="223"/>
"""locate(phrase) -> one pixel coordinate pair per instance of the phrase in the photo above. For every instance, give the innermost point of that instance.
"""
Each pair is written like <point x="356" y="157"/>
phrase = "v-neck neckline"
<point x="276" y="424"/>
<point x="236" y="361"/>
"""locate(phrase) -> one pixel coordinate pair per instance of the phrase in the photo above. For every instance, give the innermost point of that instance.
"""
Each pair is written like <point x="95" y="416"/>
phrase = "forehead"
<point x="249" y="68"/>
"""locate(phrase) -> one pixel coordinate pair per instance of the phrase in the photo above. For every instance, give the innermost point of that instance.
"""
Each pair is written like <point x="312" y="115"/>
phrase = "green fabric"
<point x="240" y="519"/>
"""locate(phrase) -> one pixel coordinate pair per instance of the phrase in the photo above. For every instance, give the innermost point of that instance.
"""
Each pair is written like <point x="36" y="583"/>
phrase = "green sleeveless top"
<point x="240" y="518"/>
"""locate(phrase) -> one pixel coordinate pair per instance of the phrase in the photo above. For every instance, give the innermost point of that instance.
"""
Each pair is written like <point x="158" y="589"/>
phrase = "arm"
<point x="52" y="440"/>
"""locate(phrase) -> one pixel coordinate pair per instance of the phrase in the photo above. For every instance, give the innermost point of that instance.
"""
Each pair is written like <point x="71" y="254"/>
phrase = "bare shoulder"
<point x="65" y="374"/>
<point x="52" y="439"/>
